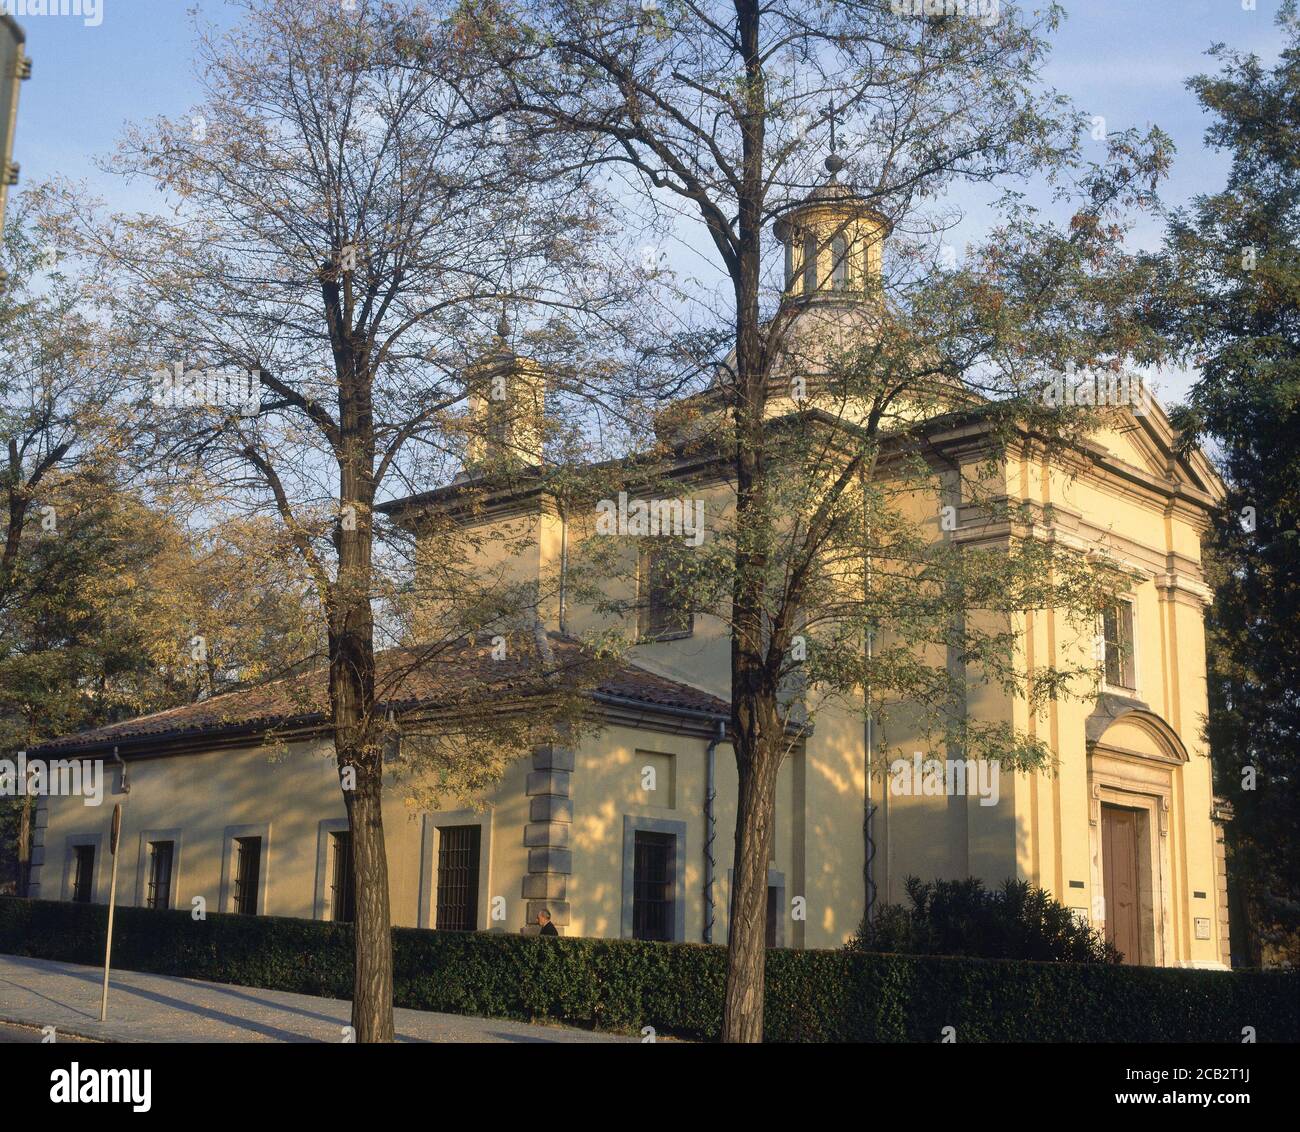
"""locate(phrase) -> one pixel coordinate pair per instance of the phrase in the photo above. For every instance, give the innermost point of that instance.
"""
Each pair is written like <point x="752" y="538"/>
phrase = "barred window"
<point x="83" y="876"/>
<point x="653" y="885"/>
<point x="343" y="895"/>
<point x="660" y="616"/>
<point x="161" y="856"/>
<point x="248" y="870"/>
<point x="458" y="875"/>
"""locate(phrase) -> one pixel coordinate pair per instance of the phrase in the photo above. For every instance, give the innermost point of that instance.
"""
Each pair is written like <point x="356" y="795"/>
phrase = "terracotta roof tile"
<point x="407" y="680"/>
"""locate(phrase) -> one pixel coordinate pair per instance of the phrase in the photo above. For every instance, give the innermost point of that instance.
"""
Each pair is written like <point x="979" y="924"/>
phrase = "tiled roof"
<point x="407" y="680"/>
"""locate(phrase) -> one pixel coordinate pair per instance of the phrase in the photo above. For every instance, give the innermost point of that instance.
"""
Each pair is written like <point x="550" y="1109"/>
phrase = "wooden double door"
<point x="1122" y="879"/>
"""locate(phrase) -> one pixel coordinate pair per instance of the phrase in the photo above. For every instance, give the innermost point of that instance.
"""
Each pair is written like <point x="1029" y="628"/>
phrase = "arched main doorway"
<point x="1134" y="757"/>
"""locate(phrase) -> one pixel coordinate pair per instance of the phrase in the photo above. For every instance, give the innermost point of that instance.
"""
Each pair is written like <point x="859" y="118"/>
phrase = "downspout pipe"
<point x="710" y="825"/>
<point x="117" y="758"/>
<point x="564" y="569"/>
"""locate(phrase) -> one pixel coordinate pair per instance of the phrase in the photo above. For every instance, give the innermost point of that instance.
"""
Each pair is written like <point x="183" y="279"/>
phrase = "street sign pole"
<point x="113" y="836"/>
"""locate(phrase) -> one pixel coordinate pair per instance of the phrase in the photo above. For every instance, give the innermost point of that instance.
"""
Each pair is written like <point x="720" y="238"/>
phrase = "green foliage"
<point x="962" y="917"/>
<point x="1227" y="300"/>
<point x="677" y="988"/>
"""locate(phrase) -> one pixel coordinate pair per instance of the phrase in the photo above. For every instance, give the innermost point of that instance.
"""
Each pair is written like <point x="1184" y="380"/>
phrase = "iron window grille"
<point x="83" y="877"/>
<point x="1117" y="631"/>
<point x="248" y="869"/>
<point x="660" y="617"/>
<point x="458" y="865"/>
<point x="343" y="892"/>
<point x="652" y="885"/>
<point x="161" y="855"/>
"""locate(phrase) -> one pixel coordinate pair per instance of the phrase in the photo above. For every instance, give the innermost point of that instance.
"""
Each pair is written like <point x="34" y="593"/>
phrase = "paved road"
<point x="144" y="1008"/>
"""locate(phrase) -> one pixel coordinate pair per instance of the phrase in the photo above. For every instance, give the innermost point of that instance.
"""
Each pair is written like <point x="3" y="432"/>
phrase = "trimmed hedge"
<point x="677" y="988"/>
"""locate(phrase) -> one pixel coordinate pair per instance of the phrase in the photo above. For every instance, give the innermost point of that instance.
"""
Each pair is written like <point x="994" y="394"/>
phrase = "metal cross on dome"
<point x="834" y="162"/>
<point x="830" y="113"/>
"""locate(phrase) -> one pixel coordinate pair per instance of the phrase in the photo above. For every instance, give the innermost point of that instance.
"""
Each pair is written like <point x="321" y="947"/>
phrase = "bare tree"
<point x="344" y="239"/>
<point x="61" y="382"/>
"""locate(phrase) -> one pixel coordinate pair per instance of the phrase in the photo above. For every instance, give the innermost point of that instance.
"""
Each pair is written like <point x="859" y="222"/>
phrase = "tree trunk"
<point x="755" y="718"/>
<point x="352" y="693"/>
<point x="742" y="1011"/>
<point x="13" y="538"/>
<point x="360" y="756"/>
<point x="372" y="987"/>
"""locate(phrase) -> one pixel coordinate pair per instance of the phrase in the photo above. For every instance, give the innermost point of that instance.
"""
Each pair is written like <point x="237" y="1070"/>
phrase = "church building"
<point x="628" y="831"/>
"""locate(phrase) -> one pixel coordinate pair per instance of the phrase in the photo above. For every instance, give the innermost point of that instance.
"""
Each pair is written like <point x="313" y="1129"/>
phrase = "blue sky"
<point x="1124" y="60"/>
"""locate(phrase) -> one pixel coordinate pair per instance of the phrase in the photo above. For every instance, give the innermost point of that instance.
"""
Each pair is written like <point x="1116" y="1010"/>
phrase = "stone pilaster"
<point x="548" y="836"/>
<point x="1221" y="815"/>
<point x="37" y="872"/>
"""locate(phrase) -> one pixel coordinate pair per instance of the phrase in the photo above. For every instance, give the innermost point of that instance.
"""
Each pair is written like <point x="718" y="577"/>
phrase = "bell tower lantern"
<point x="832" y="242"/>
<point x="506" y="405"/>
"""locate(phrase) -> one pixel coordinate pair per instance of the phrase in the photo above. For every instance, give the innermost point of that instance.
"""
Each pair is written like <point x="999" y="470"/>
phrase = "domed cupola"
<point x="832" y="242"/>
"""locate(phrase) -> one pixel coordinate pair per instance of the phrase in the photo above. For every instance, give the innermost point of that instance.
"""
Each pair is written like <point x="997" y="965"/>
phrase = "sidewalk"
<point x="153" y="1008"/>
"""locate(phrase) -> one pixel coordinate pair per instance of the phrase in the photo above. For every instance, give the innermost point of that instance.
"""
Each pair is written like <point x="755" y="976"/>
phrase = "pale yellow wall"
<point x="1056" y="837"/>
<point x="289" y="793"/>
<point x="498" y="552"/>
<point x="201" y="795"/>
<point x="607" y="786"/>
<point x="703" y="659"/>
<point x="1040" y="828"/>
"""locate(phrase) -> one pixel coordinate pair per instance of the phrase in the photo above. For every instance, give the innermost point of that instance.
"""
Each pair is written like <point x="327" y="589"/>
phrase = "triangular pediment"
<point x="1144" y="438"/>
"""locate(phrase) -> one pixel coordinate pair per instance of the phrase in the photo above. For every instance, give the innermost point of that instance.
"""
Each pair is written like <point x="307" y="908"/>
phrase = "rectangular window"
<point x="343" y="896"/>
<point x="839" y="264"/>
<point x="83" y="875"/>
<point x="653" y="885"/>
<point x="809" y="263"/>
<point x="458" y="860"/>
<point x="498" y="425"/>
<point x="248" y="870"/>
<point x="660" y="617"/>
<point x="161" y="855"/>
<point x="772" y="912"/>
<point x="1117" y="630"/>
